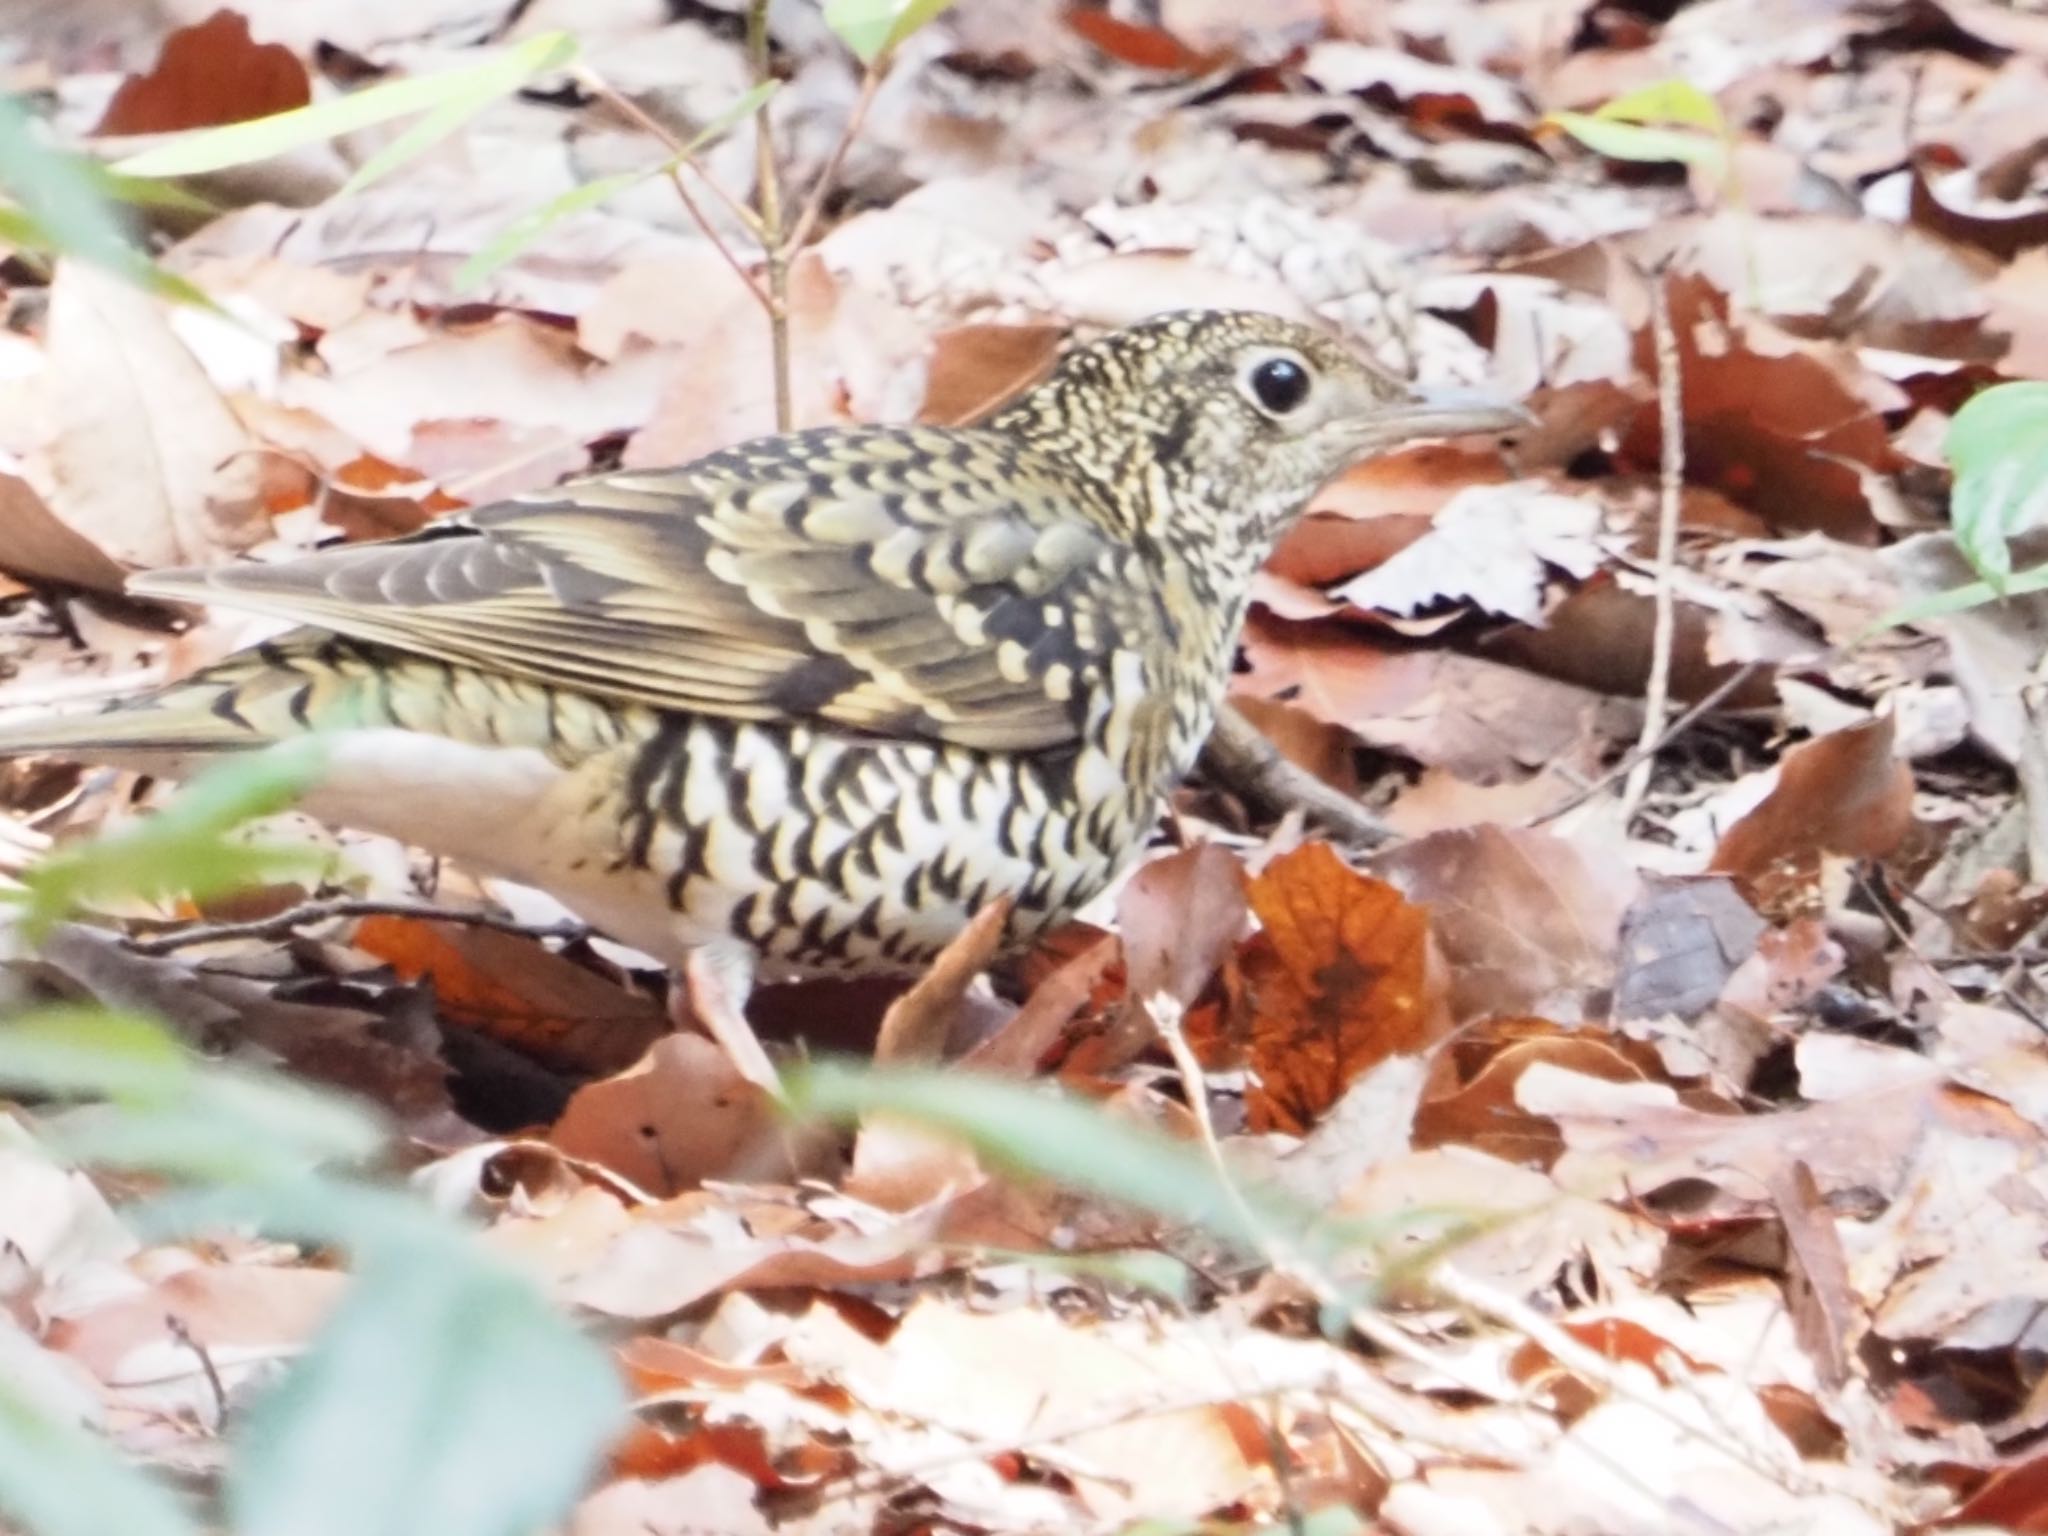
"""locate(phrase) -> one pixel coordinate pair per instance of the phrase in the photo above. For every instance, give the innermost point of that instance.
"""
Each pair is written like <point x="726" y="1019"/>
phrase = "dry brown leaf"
<point x="678" y="1116"/>
<point x="1339" y="978"/>
<point x="1844" y="794"/>
<point x="1026" y="1380"/>
<point x="1180" y="917"/>
<point x="975" y="368"/>
<point x="1779" y="432"/>
<point x="1481" y="720"/>
<point x="41" y="546"/>
<point x="1473" y="1104"/>
<point x="1527" y="922"/>
<point x="143" y="436"/>
<point x="919" y="1024"/>
<point x="239" y="1314"/>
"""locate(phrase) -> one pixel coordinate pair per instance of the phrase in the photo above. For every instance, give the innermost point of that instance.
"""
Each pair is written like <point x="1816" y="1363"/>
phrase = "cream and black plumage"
<point x="807" y="703"/>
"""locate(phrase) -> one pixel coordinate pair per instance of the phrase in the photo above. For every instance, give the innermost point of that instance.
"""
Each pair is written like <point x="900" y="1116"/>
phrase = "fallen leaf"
<point x="1339" y="978"/>
<point x="678" y="1116"/>
<point x="513" y="990"/>
<point x="1681" y="940"/>
<point x="207" y="74"/>
<point x="975" y="368"/>
<point x="1528" y="923"/>
<point x="1844" y="794"/>
<point x="143" y="436"/>
<point x="919" y="1024"/>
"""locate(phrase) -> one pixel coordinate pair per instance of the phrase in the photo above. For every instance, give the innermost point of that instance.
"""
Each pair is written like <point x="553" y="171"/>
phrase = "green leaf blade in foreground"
<point x="445" y="1395"/>
<point x="472" y="87"/>
<point x="64" y="209"/>
<point x="172" y="1114"/>
<point x="530" y="226"/>
<point x="1998" y="446"/>
<point x="871" y="28"/>
<point x="184" y="847"/>
<point x="58" y="1478"/>
<point x="1030" y="1131"/>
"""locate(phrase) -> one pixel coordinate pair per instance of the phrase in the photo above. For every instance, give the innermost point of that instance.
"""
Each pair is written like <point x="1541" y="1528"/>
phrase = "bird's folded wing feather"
<point x="898" y="582"/>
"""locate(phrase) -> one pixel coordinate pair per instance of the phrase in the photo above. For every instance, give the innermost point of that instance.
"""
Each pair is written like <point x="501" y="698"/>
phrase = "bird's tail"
<point x="251" y="700"/>
<point x="305" y="682"/>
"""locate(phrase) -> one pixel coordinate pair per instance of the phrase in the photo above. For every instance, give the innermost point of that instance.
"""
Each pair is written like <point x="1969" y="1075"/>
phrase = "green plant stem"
<point x="768" y="206"/>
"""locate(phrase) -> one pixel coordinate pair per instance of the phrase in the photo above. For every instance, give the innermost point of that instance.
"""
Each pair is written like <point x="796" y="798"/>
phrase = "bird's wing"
<point x="901" y="582"/>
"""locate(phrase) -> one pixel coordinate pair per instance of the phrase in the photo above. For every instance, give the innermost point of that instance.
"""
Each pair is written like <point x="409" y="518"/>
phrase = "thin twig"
<point x="178" y="1329"/>
<point x="1671" y="733"/>
<point x="1239" y="757"/>
<point x="634" y="113"/>
<point x="814" y="205"/>
<point x="1670" y="488"/>
<point x="281" y="923"/>
<point x="768" y="202"/>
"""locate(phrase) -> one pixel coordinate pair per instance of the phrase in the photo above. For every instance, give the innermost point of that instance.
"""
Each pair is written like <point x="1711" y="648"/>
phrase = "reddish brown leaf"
<point x="975" y="368"/>
<point x="1143" y="47"/>
<point x="1844" y="794"/>
<point x="210" y="73"/>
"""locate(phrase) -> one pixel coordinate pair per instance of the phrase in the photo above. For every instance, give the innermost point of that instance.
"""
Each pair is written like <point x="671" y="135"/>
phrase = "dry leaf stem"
<point x="1670" y="486"/>
<point x="635" y="114"/>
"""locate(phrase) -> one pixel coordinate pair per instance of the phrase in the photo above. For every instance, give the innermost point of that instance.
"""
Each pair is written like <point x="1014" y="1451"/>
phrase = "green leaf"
<point x="185" y="847"/>
<point x="71" y="1052"/>
<point x="1634" y="141"/>
<point x="468" y="89"/>
<point x="1668" y="101"/>
<point x="1998" y="447"/>
<point x="58" y="1478"/>
<point x="172" y="1114"/>
<point x="439" y="124"/>
<point x="445" y="1395"/>
<point x="1961" y="599"/>
<point x="1035" y="1132"/>
<point x="872" y="28"/>
<point x="535" y="222"/>
<point x="64" y="209"/>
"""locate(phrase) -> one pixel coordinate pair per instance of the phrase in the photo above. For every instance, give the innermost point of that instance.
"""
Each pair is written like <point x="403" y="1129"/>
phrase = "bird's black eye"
<point x="1280" y="384"/>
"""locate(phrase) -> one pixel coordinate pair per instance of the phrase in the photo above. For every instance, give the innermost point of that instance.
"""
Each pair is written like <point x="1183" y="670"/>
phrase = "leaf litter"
<point x="1696" y="1153"/>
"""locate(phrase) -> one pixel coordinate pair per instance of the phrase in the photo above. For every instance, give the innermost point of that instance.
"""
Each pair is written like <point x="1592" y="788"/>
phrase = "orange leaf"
<point x="518" y="993"/>
<point x="1339" y="980"/>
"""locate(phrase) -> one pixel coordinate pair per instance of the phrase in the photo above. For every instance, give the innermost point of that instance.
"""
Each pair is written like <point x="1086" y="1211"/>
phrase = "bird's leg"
<point x="712" y="991"/>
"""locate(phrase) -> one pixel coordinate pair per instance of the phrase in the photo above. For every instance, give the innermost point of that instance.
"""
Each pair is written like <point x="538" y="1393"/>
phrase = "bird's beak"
<point x="1447" y="413"/>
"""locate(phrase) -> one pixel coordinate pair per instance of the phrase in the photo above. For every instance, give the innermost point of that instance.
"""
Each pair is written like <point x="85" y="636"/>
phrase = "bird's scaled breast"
<point x="825" y="852"/>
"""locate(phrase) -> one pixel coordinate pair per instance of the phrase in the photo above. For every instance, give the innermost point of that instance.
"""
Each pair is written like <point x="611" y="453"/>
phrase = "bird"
<point x="805" y="705"/>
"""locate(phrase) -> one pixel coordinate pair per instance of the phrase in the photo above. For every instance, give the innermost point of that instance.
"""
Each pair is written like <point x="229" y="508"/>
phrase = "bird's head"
<point x="1215" y="427"/>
